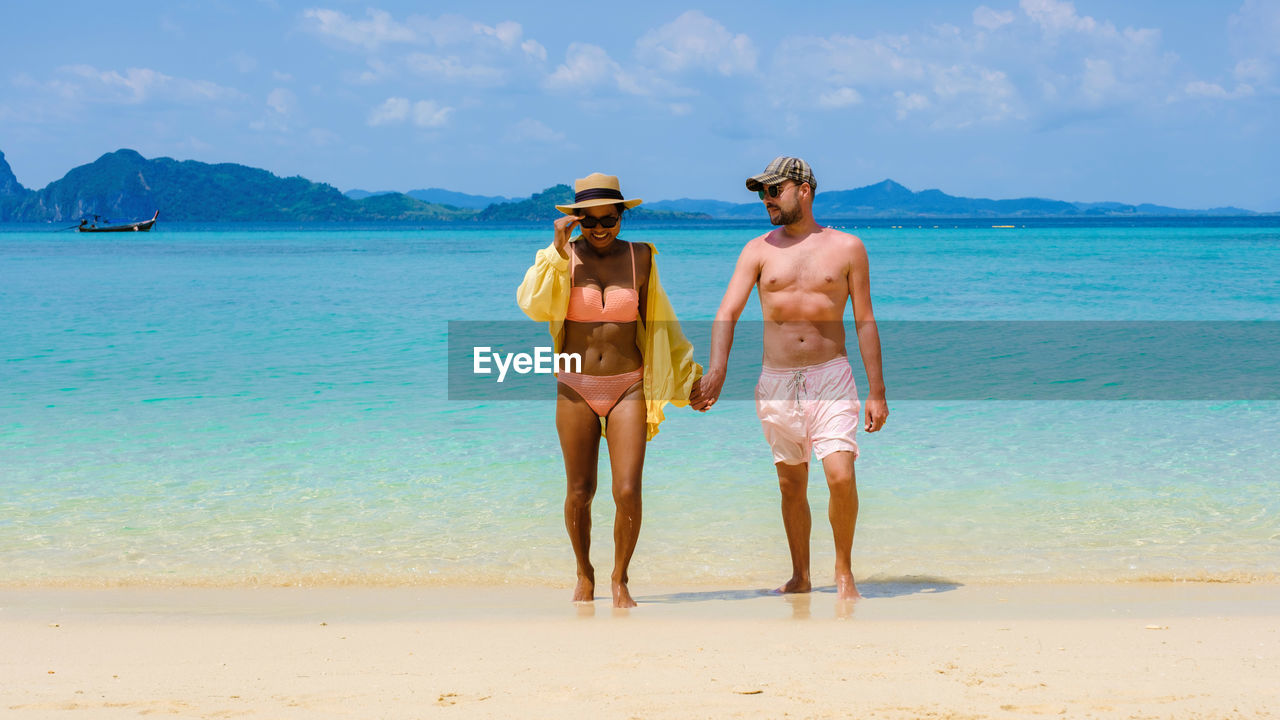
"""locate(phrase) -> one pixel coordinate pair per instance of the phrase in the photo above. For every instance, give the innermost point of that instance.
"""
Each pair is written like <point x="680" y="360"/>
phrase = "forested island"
<point x="124" y="184"/>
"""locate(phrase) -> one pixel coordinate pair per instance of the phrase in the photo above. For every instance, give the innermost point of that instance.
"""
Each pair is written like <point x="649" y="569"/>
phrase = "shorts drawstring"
<point x="797" y="382"/>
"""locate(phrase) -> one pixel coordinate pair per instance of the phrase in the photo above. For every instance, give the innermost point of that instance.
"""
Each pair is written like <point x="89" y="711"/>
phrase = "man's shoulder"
<point x="840" y="237"/>
<point x="843" y="244"/>
<point x="757" y="243"/>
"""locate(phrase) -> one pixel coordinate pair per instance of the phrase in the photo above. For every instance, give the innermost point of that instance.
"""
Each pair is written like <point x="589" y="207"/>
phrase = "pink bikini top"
<point x="616" y="305"/>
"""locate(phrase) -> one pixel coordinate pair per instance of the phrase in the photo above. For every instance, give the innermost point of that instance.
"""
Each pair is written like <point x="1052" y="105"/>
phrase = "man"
<point x="806" y="398"/>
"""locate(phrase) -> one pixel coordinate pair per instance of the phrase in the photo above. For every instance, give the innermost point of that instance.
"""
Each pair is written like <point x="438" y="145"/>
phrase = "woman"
<point x="601" y="297"/>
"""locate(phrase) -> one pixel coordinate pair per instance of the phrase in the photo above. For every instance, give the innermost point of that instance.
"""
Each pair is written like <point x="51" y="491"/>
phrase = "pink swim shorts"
<point x="807" y="410"/>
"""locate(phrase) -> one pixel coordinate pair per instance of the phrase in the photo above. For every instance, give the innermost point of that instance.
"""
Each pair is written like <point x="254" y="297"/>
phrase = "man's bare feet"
<point x="846" y="589"/>
<point x="586" y="589"/>
<point x="796" y="584"/>
<point x="621" y="595"/>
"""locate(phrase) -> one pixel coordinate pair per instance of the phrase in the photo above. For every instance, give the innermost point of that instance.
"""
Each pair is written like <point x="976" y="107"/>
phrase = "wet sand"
<point x="908" y="650"/>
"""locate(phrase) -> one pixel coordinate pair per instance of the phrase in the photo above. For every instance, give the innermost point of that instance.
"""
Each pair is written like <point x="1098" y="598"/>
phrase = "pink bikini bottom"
<point x="602" y="392"/>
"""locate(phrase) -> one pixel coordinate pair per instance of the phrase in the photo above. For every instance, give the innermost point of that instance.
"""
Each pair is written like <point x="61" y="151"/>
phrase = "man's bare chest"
<point x="812" y="272"/>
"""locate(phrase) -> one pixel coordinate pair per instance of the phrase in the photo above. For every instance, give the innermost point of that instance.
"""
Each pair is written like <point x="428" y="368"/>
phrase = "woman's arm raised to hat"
<point x="564" y="231"/>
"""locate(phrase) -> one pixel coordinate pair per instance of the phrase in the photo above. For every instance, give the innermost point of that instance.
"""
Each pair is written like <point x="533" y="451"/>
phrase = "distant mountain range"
<point x="888" y="199"/>
<point x="124" y="185"/>
<point x="439" y="197"/>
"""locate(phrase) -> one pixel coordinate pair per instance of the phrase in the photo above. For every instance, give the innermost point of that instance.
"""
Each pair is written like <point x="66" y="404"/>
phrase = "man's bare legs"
<point x="843" y="513"/>
<point x="579" y="431"/>
<point x="628" y="433"/>
<point x="842" y="510"/>
<point x="793" y="481"/>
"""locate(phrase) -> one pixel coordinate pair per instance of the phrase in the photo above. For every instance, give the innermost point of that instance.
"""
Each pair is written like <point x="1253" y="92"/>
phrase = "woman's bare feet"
<point x="846" y="589"/>
<point x="621" y="595"/>
<point x="797" y="584"/>
<point x="586" y="589"/>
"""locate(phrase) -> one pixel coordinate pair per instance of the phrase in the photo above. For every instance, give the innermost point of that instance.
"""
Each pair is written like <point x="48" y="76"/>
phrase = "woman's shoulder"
<point x="644" y="253"/>
<point x="643" y="248"/>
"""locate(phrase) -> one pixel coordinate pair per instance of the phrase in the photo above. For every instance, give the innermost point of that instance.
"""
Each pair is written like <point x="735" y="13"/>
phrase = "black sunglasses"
<point x="772" y="190"/>
<point x="607" y="221"/>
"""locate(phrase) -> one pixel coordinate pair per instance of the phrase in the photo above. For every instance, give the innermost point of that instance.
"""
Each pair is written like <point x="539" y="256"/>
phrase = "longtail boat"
<point x="140" y="226"/>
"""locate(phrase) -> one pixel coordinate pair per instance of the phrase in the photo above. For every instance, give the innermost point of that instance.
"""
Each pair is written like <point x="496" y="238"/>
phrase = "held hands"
<point x="564" y="231"/>
<point x="877" y="413"/>
<point x="706" y="390"/>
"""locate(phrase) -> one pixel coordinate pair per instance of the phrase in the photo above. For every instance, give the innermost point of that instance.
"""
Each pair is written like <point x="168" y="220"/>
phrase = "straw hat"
<point x="594" y="190"/>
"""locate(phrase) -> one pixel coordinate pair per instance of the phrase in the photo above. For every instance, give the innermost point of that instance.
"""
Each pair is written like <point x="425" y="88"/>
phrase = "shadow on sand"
<point x="871" y="588"/>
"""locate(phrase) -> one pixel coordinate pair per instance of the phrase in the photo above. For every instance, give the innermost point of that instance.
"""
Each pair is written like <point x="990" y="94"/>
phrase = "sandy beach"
<point x="908" y="650"/>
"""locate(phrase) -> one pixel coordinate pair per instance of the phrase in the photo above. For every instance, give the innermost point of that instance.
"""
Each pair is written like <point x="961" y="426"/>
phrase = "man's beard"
<point x="785" y="217"/>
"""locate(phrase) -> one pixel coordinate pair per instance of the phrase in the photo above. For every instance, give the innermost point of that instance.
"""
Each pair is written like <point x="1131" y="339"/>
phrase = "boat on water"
<point x="140" y="226"/>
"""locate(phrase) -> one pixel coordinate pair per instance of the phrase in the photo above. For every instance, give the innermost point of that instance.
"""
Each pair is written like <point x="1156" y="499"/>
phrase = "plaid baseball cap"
<point x="784" y="168"/>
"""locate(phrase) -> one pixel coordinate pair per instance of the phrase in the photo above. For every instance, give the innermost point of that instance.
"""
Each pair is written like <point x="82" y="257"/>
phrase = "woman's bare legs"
<point x="579" y="430"/>
<point x="627" y="439"/>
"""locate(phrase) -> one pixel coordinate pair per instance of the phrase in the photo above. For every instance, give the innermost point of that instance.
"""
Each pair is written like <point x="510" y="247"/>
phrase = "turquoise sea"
<point x="243" y="405"/>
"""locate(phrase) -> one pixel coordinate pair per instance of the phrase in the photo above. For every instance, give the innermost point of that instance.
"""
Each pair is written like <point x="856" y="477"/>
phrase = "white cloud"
<point x="282" y="101"/>
<point x="1058" y="62"/>
<point x="930" y="73"/>
<point x="530" y="130"/>
<point x="910" y="102"/>
<point x="1057" y="16"/>
<point x="428" y="114"/>
<point x="985" y="17"/>
<point x="839" y="98"/>
<point x="508" y="33"/>
<point x="695" y="41"/>
<point x="1200" y="89"/>
<point x="1254" y="28"/>
<point x="848" y="60"/>
<point x="1253" y="71"/>
<point x="449" y="48"/>
<point x="534" y="49"/>
<point x="377" y="30"/>
<point x="968" y="94"/>
<point x="376" y="71"/>
<point x="585" y="66"/>
<point x="394" y="110"/>
<point x="134" y="86"/>
<point x="398" y="110"/>
<point x="280" y="105"/>
<point x="588" y="67"/>
<point x="680" y="109"/>
<point x="1252" y="32"/>
<point x="1099" y="80"/>
<point x="453" y="69"/>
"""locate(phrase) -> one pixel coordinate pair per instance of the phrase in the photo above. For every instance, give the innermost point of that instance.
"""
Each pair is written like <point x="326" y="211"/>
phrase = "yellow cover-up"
<point x="669" y="369"/>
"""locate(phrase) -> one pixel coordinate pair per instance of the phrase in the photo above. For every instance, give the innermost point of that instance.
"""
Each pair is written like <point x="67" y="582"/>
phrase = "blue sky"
<point x="1170" y="102"/>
